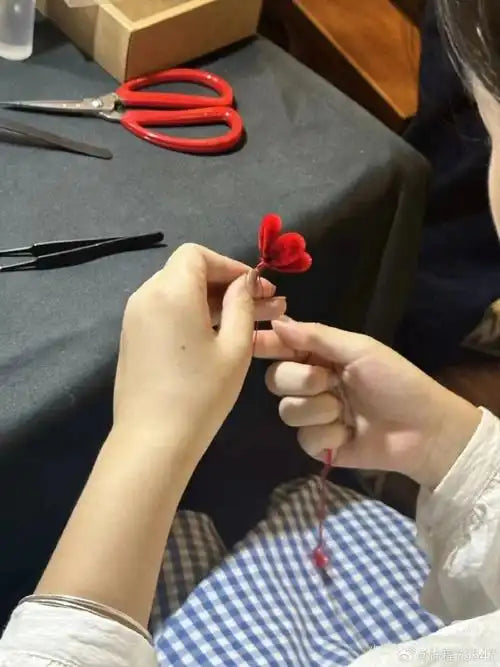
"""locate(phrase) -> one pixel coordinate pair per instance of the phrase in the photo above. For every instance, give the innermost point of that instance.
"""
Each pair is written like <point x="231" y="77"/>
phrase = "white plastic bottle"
<point x="17" y="23"/>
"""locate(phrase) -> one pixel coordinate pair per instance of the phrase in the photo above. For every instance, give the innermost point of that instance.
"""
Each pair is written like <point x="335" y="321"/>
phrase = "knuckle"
<point x="313" y="379"/>
<point x="305" y="438"/>
<point x="150" y="297"/>
<point x="286" y="411"/>
<point x="187" y="249"/>
<point x="367" y="346"/>
<point x="134" y="303"/>
<point x="332" y="407"/>
<point x="341" y="436"/>
<point x="190" y="254"/>
<point x="271" y="378"/>
<point x="302" y="438"/>
<point x="315" y="331"/>
<point x="367" y="341"/>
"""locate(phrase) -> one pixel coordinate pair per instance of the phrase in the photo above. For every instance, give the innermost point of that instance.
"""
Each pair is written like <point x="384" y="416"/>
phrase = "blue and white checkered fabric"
<point x="267" y="604"/>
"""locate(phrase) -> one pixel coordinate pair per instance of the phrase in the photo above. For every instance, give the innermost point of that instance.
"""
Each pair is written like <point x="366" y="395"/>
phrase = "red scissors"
<point x="139" y="111"/>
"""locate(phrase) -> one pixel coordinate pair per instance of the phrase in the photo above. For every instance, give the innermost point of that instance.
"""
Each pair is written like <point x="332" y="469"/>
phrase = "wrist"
<point x="455" y="426"/>
<point x="179" y="444"/>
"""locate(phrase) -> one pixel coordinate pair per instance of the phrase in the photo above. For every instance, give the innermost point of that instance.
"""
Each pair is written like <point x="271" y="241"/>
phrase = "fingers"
<point x="310" y="406"/>
<point x="241" y="307"/>
<point x="289" y="378"/>
<point x="215" y="268"/>
<point x="303" y="411"/>
<point x="269" y="346"/>
<point x="315" y="440"/>
<point x="265" y="309"/>
<point x="259" y="287"/>
<point x="240" y="310"/>
<point x="194" y="264"/>
<point x="237" y="319"/>
<point x="270" y="309"/>
<point x="334" y="345"/>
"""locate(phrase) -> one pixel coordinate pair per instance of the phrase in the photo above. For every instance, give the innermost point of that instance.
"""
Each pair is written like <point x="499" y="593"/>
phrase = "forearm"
<point x="112" y="547"/>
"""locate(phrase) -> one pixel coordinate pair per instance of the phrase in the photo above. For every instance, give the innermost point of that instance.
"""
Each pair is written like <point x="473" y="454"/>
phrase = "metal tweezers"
<point x="46" y="139"/>
<point x="54" y="254"/>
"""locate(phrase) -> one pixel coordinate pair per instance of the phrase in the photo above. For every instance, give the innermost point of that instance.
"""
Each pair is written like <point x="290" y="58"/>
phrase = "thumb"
<point x="238" y="313"/>
<point x="331" y="344"/>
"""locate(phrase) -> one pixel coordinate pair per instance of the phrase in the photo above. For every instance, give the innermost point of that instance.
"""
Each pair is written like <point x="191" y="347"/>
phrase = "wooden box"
<point x="134" y="37"/>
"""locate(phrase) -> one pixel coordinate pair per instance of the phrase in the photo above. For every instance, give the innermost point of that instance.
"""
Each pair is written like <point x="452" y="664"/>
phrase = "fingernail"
<point x="252" y="279"/>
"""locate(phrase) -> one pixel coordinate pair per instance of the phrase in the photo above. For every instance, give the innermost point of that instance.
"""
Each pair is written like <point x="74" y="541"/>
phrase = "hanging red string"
<point x="287" y="253"/>
<point x="319" y="555"/>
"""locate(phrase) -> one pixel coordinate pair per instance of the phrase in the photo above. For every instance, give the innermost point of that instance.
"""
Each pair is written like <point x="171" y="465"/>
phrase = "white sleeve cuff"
<point x="459" y="526"/>
<point x="456" y="496"/>
<point x="75" y="637"/>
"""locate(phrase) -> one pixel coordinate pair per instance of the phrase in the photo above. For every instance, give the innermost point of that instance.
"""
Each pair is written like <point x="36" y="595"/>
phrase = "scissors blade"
<point x="59" y="106"/>
<point x="90" y="106"/>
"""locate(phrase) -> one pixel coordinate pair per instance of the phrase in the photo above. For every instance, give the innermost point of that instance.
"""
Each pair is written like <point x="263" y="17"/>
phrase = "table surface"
<point x="353" y="188"/>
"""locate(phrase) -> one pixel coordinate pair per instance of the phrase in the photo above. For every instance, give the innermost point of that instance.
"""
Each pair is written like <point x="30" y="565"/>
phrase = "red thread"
<point x="319" y="555"/>
<point x="257" y="296"/>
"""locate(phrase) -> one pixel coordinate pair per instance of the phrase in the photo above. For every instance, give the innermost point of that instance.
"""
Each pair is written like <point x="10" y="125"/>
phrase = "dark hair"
<point x="472" y="30"/>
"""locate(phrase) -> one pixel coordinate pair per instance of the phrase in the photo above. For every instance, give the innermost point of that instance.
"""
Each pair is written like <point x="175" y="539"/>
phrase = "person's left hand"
<point x="178" y="377"/>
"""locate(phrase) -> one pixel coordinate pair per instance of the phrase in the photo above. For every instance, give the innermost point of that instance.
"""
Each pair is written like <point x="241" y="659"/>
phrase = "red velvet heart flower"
<point x="281" y="252"/>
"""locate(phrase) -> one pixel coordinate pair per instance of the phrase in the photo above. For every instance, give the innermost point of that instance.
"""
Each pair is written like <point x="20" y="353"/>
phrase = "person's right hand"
<point x="373" y="408"/>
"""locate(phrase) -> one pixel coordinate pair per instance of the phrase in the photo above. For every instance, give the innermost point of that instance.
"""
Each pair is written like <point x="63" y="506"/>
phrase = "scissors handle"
<point x="131" y="93"/>
<point x="140" y="123"/>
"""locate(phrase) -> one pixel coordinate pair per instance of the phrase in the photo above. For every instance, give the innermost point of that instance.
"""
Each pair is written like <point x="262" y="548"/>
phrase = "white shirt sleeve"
<point x="42" y="636"/>
<point x="459" y="526"/>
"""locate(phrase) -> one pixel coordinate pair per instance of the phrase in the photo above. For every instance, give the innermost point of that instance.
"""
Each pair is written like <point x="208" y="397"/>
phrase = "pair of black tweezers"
<point x="54" y="254"/>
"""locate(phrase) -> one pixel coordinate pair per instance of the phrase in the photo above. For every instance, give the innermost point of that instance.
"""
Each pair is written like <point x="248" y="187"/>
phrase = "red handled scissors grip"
<point x="138" y="110"/>
<point x="131" y="93"/>
<point x="141" y="122"/>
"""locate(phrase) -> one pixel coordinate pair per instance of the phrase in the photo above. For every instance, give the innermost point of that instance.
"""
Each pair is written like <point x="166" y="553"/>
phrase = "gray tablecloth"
<point x="354" y="189"/>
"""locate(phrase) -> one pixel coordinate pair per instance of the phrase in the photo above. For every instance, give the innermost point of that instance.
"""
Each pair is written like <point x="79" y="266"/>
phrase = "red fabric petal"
<point x="286" y="249"/>
<point x="300" y="265"/>
<point x="269" y="231"/>
<point x="282" y="252"/>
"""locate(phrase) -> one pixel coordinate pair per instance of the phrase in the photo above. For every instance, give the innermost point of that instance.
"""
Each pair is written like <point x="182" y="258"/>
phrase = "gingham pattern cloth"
<point x="267" y="604"/>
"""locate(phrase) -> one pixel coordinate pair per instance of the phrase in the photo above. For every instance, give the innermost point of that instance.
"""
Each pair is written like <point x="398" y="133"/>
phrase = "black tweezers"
<point x="54" y="254"/>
